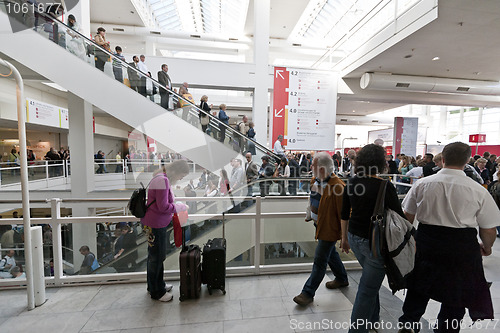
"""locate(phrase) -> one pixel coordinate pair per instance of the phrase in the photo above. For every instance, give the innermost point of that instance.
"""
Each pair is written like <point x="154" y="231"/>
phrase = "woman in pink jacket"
<point x="161" y="202"/>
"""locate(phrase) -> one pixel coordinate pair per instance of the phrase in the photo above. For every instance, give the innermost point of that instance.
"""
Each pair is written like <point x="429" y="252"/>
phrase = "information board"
<point x="405" y="136"/>
<point x="304" y="108"/>
<point x="46" y="114"/>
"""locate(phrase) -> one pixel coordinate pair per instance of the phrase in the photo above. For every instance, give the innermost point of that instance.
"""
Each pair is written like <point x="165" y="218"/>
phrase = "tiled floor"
<point x="252" y="304"/>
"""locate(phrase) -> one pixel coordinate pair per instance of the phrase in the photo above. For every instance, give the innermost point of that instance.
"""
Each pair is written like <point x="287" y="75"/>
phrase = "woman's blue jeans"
<point x="157" y="252"/>
<point x="325" y="254"/>
<point x="367" y="305"/>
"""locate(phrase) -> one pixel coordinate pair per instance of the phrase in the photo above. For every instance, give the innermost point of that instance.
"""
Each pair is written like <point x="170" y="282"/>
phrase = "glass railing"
<point x="142" y="83"/>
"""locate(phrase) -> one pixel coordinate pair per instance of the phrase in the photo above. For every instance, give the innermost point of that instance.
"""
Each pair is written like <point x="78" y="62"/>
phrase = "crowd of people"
<point x="449" y="206"/>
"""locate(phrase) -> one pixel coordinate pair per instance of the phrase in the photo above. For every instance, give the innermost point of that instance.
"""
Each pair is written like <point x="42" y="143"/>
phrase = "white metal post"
<point x="258" y="212"/>
<point x="21" y="127"/>
<point x="55" y="213"/>
<point x="47" y="172"/>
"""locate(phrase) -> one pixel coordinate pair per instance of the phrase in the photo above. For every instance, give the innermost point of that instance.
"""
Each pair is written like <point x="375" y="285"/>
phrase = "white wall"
<point x="8" y="101"/>
<point x="109" y="146"/>
<point x="200" y="72"/>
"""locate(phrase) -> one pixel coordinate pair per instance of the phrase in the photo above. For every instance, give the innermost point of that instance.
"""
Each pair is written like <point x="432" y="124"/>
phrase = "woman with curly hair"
<point x="358" y="204"/>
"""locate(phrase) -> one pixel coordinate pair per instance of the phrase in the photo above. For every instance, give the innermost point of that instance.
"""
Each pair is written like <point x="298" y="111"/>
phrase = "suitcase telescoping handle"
<point x="223" y="224"/>
<point x="184" y="247"/>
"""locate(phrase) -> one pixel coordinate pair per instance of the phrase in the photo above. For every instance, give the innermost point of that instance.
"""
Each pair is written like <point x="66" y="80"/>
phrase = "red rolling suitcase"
<point x="214" y="262"/>
<point x="190" y="270"/>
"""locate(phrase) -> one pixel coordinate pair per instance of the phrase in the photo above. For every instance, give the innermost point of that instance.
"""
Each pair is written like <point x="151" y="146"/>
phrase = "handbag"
<point x="177" y="230"/>
<point x="392" y="238"/>
<point x="377" y="224"/>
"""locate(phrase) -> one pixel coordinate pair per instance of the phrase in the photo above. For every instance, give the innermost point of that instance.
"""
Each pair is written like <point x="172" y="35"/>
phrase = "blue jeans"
<point x="367" y="304"/>
<point x="157" y="252"/>
<point x="325" y="254"/>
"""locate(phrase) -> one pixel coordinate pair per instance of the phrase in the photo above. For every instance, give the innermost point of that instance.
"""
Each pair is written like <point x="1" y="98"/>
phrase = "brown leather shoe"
<point x="303" y="299"/>
<point x="335" y="284"/>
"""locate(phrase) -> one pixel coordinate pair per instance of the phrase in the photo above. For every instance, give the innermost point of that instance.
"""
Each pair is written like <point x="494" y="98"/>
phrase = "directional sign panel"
<point x="405" y="136"/>
<point x="46" y="114"/>
<point x="304" y="108"/>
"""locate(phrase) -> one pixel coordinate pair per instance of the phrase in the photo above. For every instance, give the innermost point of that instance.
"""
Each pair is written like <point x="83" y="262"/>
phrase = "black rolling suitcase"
<point x="214" y="262"/>
<point x="190" y="270"/>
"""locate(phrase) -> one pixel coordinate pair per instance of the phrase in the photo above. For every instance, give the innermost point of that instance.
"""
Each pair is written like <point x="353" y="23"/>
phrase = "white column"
<point x="81" y="11"/>
<point x="150" y="48"/>
<point x="262" y="9"/>
<point x="480" y="120"/>
<point x="461" y="124"/>
<point x="443" y="119"/>
<point x="81" y="145"/>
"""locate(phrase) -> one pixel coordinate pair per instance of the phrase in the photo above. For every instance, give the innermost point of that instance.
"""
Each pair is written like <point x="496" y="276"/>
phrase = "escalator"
<point x="180" y="130"/>
<point x="202" y="229"/>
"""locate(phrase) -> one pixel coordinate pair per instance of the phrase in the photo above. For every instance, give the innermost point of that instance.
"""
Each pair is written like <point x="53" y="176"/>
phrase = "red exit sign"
<point x="477" y="138"/>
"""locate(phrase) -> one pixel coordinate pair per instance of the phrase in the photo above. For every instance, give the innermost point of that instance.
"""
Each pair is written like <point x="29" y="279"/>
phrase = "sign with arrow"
<point x="304" y="108"/>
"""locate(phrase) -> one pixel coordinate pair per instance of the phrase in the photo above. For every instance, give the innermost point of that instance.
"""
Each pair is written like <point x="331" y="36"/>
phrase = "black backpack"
<point x="137" y="204"/>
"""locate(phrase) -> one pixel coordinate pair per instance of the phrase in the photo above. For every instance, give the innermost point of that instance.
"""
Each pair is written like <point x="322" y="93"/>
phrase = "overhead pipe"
<point x="377" y="81"/>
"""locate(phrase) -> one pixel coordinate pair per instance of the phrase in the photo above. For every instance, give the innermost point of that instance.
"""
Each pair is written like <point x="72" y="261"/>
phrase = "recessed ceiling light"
<point x="353" y="110"/>
<point x="435" y="58"/>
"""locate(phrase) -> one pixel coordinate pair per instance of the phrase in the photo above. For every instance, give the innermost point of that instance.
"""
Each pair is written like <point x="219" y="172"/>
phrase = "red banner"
<point x="280" y="102"/>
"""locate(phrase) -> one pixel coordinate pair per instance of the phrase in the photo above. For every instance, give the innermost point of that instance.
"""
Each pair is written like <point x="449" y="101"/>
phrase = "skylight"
<point x="226" y="17"/>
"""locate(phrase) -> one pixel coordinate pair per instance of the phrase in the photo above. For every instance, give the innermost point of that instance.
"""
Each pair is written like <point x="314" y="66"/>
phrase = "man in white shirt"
<point x="143" y="68"/>
<point x="448" y="265"/>
<point x="417" y="172"/>
<point x="278" y="149"/>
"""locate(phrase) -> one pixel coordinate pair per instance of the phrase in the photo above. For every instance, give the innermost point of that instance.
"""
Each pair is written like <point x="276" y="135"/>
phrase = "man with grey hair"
<point x="348" y="163"/>
<point x="325" y="205"/>
<point x="278" y="148"/>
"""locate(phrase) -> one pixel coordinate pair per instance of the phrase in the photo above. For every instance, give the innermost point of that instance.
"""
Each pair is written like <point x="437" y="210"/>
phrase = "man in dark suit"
<point x="251" y="172"/>
<point x="266" y="171"/>
<point x="164" y="80"/>
<point x="133" y="76"/>
<point x="427" y="169"/>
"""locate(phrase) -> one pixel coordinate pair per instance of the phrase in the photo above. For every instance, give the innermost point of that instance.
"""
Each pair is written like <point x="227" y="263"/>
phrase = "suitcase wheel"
<point x="181" y="298"/>
<point x="223" y="292"/>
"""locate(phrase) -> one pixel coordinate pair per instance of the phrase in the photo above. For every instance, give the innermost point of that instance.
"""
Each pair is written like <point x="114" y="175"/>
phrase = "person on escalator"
<point x="224" y="119"/>
<point x="133" y="74"/>
<point x="204" y="118"/>
<point x="75" y="45"/>
<point x="161" y="203"/>
<point x="89" y="263"/>
<point x="101" y="57"/>
<point x="266" y="171"/>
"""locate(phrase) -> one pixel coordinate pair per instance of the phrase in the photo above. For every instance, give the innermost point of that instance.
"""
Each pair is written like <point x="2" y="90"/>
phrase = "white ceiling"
<point x="465" y="36"/>
<point x="114" y="12"/>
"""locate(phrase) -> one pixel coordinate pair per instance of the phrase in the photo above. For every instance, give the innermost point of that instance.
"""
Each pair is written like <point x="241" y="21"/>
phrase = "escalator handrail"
<point x="215" y="119"/>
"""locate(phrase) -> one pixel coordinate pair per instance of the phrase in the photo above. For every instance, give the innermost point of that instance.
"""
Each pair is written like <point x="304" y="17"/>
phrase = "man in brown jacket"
<point x="325" y="206"/>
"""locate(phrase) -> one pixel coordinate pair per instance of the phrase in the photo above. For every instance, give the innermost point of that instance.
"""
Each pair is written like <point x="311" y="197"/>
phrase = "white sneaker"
<point x="166" y="298"/>
<point x="168" y="287"/>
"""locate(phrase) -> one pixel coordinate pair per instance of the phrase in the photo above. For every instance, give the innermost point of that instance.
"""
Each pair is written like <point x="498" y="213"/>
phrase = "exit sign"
<point x="477" y="138"/>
